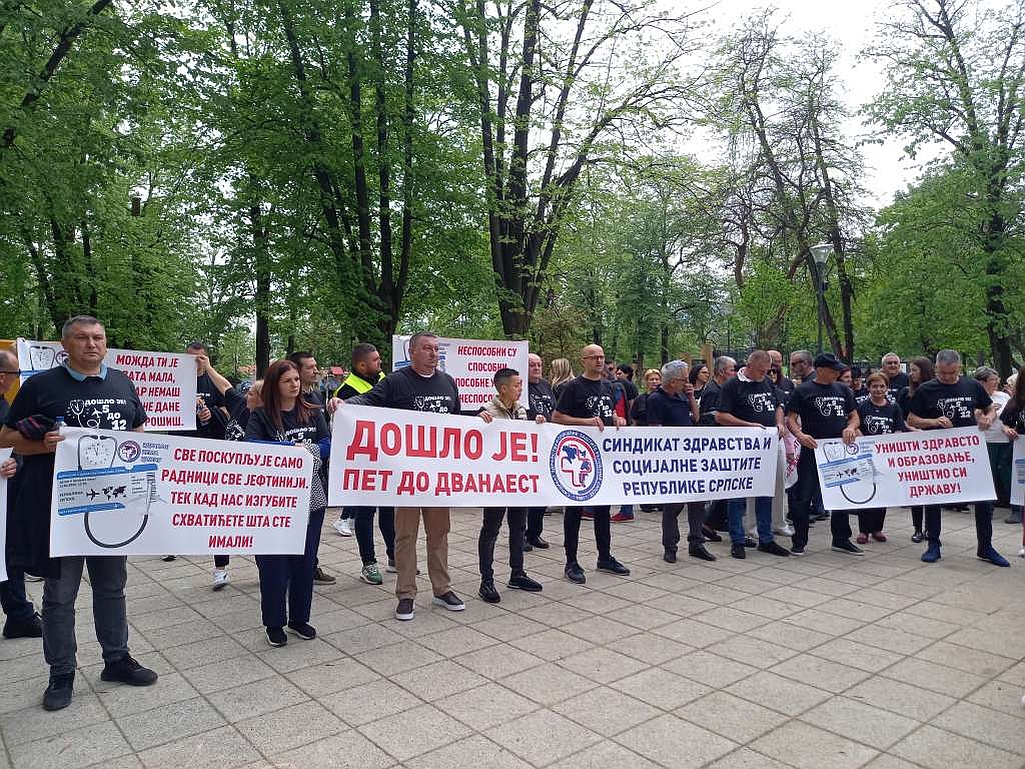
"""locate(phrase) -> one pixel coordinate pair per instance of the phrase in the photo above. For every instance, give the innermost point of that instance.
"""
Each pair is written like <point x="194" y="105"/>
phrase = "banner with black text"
<point x="411" y="459"/>
<point x="915" y="468"/>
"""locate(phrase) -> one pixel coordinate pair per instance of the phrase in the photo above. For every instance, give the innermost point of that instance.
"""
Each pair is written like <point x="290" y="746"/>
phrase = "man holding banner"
<point x="951" y="400"/>
<point x="420" y="386"/>
<point x="82" y="388"/>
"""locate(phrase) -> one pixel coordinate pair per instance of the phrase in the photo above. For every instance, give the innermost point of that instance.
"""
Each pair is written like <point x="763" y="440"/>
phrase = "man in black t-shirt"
<point x="951" y="400"/>
<point x="589" y="401"/>
<point x="84" y="393"/>
<point x="723" y="369"/>
<point x="749" y="400"/>
<point x="541" y="403"/>
<point x="211" y="407"/>
<point x="820" y="408"/>
<point x="420" y="386"/>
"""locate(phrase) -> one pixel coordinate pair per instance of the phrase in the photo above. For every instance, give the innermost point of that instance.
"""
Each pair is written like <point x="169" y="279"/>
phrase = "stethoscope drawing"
<point x="840" y="451"/>
<point x="94" y="452"/>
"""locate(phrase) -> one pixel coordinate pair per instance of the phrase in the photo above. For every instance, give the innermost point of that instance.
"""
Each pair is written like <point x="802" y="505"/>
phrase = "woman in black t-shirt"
<point x="286" y="418"/>
<point x="879" y="416"/>
<point x="639" y="412"/>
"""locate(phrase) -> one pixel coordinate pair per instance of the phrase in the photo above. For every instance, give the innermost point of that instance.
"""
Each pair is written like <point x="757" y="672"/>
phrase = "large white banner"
<point x="1018" y="473"/>
<point x="472" y="363"/>
<point x="409" y="458"/>
<point x="917" y="468"/>
<point x="120" y="493"/>
<point x="4" y="455"/>
<point x="165" y="382"/>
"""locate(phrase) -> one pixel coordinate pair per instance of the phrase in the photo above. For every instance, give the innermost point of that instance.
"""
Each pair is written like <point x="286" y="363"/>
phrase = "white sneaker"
<point x="343" y="526"/>
<point x="220" y="578"/>
<point x="783" y="531"/>
<point x="1021" y="553"/>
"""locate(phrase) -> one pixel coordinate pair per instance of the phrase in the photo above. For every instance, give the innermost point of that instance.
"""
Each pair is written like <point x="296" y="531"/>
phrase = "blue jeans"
<point x="763" y="515"/>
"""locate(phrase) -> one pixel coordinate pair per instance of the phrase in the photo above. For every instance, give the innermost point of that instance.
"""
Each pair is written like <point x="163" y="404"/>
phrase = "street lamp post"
<point x="820" y="255"/>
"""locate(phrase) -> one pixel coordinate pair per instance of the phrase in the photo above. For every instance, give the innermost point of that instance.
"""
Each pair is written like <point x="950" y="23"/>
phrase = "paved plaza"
<point x="815" y="662"/>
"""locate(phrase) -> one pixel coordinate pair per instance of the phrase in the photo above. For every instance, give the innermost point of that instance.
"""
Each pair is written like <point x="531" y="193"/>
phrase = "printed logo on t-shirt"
<point x="438" y="404"/>
<point x="874" y="425"/>
<point x="98" y="413"/>
<point x="761" y="403"/>
<point x="600" y="406"/>
<point x="957" y="408"/>
<point x="831" y="405"/>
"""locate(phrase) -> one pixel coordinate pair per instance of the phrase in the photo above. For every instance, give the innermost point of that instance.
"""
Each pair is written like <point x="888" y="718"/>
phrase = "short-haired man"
<point x="749" y="400"/>
<point x="723" y="369"/>
<point x="951" y="400"/>
<point x="365" y="372"/>
<point x="22" y="619"/>
<point x="309" y="377"/>
<point x="211" y="406"/>
<point x="505" y="405"/>
<point x="82" y="386"/>
<point x="820" y="407"/>
<point x="540" y="403"/>
<point x="801" y="366"/>
<point x="896" y="378"/>
<point x="420" y="386"/>
<point x="783" y="383"/>
<point x="589" y="401"/>
<point x="673" y="405"/>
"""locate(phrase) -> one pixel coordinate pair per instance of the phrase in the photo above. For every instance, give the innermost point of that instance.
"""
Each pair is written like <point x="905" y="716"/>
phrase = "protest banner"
<point x="1018" y="473"/>
<point x="127" y="493"/>
<point x="165" y="382"/>
<point x="4" y="455"/>
<point x="472" y="363"/>
<point x="916" y="468"/>
<point x="410" y="458"/>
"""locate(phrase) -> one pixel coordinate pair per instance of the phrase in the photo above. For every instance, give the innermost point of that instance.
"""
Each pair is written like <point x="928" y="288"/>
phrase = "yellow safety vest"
<point x="357" y="383"/>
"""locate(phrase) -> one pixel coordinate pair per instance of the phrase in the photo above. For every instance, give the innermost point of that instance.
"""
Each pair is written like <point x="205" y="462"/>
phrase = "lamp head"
<point x="820" y="253"/>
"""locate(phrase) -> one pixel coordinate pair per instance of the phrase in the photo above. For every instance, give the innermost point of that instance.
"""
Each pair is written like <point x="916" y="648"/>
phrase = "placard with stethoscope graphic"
<point x="915" y="468"/>
<point x="130" y="493"/>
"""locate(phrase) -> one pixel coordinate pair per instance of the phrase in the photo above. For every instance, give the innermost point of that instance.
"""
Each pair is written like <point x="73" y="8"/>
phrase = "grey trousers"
<point x="107" y="575"/>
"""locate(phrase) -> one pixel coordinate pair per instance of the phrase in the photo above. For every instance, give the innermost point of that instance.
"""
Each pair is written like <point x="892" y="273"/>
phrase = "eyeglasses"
<point x="15" y="372"/>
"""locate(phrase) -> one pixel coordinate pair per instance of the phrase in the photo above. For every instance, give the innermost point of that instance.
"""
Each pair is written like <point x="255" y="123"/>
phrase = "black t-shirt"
<point x="585" y="398"/>
<point x="4" y="408"/>
<point x="1013" y="415"/>
<point x="880" y="420"/>
<point x="639" y="411"/>
<point x="823" y="409"/>
<point x="314" y="397"/>
<point x="860" y="396"/>
<point x="957" y="401"/>
<point x="669" y="410"/>
<point x="110" y="403"/>
<point x="709" y="403"/>
<point x="260" y="427"/>
<point x="406" y="389"/>
<point x="630" y="387"/>
<point x="540" y="399"/>
<point x="235" y="430"/>
<point x="214" y="401"/>
<point x="895" y="385"/>
<point x="750" y="401"/>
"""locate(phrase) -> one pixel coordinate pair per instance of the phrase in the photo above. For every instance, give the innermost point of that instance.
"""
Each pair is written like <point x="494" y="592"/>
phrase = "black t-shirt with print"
<point x="957" y="401"/>
<point x="880" y="420"/>
<point x="750" y="401"/>
<point x="862" y="395"/>
<point x="110" y="403"/>
<point x="406" y="389"/>
<point x="585" y="398"/>
<point x="261" y="428"/>
<point x="895" y="385"/>
<point x="823" y="409"/>
<point x="540" y="399"/>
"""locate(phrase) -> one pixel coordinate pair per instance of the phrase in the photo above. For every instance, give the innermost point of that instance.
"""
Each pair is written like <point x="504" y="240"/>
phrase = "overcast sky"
<point x="852" y="25"/>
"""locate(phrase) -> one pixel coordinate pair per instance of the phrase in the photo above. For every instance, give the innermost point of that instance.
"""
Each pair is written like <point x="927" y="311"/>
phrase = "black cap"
<point x="828" y="360"/>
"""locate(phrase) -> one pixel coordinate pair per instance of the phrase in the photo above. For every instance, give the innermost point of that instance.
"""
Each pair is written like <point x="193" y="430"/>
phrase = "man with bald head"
<point x="589" y="401"/>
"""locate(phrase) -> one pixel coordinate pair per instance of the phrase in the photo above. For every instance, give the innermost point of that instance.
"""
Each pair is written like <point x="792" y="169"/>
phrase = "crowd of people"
<point x="822" y="398"/>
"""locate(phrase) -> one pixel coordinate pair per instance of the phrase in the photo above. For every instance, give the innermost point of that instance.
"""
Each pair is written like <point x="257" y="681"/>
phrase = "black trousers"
<point x="517" y="517"/>
<point x="535" y="522"/>
<point x="805" y="489"/>
<point x="602" y="531"/>
<point x="365" y="530"/>
<point x="671" y="524"/>
<point x="291" y="577"/>
<point x="871" y="520"/>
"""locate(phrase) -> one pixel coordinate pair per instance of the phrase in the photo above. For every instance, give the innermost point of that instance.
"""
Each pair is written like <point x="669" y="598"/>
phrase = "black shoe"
<point x="772" y="548"/>
<point x="58" y="692"/>
<point x="449" y="601"/>
<point x="821" y="517"/>
<point x="525" y="583"/>
<point x="612" y="566"/>
<point x="711" y="534"/>
<point x="697" y="550"/>
<point x="127" y="671"/>
<point x="527" y="547"/>
<point x="405" y="611"/>
<point x="669" y="556"/>
<point x="276" y="636"/>
<point x="575" y="574"/>
<point x="24" y="628"/>
<point x="748" y="542"/>
<point x="304" y="630"/>
<point x="737" y="550"/>
<point x="847" y="547"/>
<point x="1014" y="517"/>
<point x="321" y="577"/>
<point x="797" y="550"/>
<point x="917" y="536"/>
<point x="487" y="592"/>
<point x="537" y="542"/>
<point x="169" y="558"/>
